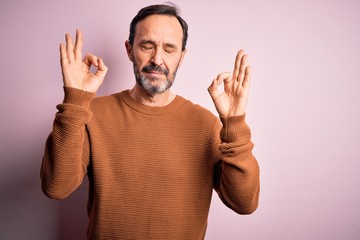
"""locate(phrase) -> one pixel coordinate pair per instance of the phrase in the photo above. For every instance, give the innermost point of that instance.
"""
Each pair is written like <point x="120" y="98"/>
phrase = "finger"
<point x="237" y="64"/>
<point x="225" y="78"/>
<point x="78" y="45"/>
<point x="102" y="66"/>
<point x="63" y="55"/>
<point x="221" y="78"/>
<point x="102" y="69"/>
<point x="69" y="47"/>
<point x="243" y="89"/>
<point x="243" y="66"/>
<point x="247" y="78"/>
<point x="90" y="59"/>
<point x="212" y="89"/>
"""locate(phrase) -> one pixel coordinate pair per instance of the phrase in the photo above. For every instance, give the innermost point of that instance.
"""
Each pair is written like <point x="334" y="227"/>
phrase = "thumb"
<point x="221" y="78"/>
<point x="213" y="90"/>
<point x="213" y="87"/>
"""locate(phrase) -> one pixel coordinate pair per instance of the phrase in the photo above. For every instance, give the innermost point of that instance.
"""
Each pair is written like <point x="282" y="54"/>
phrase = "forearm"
<point x="67" y="150"/>
<point x="237" y="181"/>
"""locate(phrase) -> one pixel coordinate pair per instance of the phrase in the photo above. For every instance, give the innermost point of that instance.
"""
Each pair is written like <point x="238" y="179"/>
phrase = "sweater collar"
<point x="171" y="107"/>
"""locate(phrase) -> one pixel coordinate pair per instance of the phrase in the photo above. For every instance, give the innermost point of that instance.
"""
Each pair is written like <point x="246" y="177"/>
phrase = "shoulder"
<point x="196" y="111"/>
<point x="107" y="103"/>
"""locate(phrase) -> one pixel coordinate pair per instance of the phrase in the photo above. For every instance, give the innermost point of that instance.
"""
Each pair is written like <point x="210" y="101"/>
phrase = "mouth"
<point x="155" y="70"/>
<point x="155" y="75"/>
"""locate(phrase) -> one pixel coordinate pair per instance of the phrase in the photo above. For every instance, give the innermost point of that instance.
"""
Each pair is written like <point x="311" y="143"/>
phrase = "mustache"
<point x="155" y="68"/>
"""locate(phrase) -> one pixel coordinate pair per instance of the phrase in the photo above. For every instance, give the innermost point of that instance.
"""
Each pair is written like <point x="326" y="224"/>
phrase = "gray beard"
<point x="154" y="86"/>
<point x="151" y="88"/>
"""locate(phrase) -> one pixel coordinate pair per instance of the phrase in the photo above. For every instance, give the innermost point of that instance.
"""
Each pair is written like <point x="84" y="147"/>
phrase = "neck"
<point x="158" y="100"/>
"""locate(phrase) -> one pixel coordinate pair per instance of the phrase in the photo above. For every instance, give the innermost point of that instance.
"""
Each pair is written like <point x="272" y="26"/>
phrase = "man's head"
<point x="162" y="9"/>
<point x="156" y="46"/>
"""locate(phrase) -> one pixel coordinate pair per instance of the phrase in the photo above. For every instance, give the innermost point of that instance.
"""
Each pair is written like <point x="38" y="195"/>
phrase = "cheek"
<point x="141" y="58"/>
<point x="173" y="63"/>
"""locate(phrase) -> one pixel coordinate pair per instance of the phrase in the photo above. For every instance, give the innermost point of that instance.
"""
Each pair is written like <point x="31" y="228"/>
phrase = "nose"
<point x="157" y="57"/>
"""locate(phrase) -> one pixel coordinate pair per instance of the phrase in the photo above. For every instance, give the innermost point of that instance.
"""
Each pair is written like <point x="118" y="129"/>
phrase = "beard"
<point x="154" y="85"/>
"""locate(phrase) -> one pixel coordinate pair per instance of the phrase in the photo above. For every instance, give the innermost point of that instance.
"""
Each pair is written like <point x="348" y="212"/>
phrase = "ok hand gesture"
<point x="75" y="70"/>
<point x="232" y="101"/>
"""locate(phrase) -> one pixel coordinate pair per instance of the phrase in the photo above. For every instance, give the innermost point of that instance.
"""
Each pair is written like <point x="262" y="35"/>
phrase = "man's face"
<point x="156" y="53"/>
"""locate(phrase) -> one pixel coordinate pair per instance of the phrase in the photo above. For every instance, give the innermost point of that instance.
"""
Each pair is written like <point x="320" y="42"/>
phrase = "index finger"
<point x="78" y="45"/>
<point x="237" y="64"/>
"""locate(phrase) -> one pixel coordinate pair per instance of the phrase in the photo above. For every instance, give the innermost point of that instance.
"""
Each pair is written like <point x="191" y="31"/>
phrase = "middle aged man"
<point x="152" y="157"/>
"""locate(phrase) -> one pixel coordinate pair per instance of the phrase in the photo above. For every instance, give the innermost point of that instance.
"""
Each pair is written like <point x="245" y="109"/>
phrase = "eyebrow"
<point x="170" y="45"/>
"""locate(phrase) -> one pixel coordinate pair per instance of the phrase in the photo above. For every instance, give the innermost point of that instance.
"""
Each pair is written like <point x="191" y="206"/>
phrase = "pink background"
<point x="303" y="108"/>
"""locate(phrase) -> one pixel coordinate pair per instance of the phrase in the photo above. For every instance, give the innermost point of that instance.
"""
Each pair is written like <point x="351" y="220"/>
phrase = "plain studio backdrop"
<point x="303" y="108"/>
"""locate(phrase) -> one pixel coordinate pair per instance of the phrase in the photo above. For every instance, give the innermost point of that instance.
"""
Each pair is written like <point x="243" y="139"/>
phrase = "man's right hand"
<point x="75" y="70"/>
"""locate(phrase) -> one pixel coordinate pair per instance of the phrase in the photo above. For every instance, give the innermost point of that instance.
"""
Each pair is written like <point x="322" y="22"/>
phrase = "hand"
<point x="75" y="70"/>
<point x="232" y="101"/>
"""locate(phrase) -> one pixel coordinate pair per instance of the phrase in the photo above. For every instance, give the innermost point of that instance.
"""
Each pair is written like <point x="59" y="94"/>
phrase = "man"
<point x="152" y="157"/>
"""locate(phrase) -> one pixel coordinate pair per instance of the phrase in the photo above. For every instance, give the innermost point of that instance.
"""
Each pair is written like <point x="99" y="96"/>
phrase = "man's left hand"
<point x="233" y="100"/>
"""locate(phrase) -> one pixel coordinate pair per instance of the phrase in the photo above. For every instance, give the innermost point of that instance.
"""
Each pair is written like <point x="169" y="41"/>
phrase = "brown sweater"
<point x="151" y="169"/>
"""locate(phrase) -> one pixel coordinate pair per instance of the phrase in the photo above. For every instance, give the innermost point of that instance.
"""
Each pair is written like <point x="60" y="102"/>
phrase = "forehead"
<point x="159" y="28"/>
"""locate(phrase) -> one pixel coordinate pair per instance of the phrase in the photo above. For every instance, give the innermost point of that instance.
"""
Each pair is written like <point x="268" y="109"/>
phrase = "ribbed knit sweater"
<point x="151" y="170"/>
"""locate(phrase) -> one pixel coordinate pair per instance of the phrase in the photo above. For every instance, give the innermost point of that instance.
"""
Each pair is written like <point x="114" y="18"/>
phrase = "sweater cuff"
<point x="78" y="97"/>
<point x="233" y="128"/>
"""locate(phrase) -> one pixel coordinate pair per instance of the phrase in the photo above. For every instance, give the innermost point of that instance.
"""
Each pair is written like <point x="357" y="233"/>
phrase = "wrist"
<point x="233" y="128"/>
<point x="77" y="96"/>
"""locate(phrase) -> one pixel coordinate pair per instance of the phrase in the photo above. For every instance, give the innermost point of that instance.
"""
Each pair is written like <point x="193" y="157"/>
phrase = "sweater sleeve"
<point x="236" y="176"/>
<point x="67" y="151"/>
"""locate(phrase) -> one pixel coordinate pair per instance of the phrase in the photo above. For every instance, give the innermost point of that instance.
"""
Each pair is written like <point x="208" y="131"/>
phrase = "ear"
<point x="182" y="56"/>
<point x="129" y="50"/>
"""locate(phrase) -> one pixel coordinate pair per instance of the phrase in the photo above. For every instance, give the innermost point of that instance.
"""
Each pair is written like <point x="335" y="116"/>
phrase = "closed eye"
<point x="147" y="46"/>
<point x="170" y="48"/>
